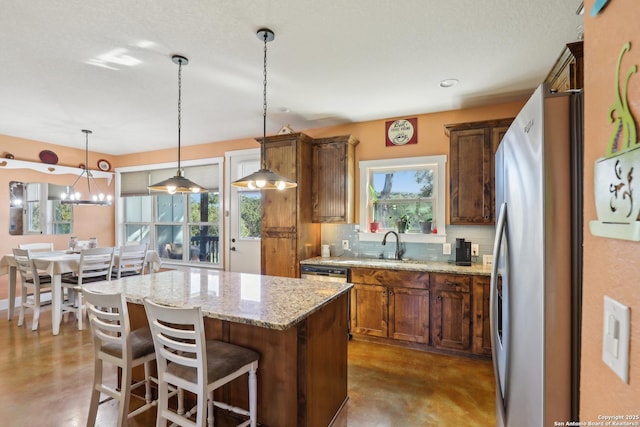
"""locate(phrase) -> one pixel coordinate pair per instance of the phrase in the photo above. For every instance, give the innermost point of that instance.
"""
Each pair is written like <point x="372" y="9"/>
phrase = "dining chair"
<point x="95" y="265"/>
<point x="33" y="286"/>
<point x="37" y="247"/>
<point x="114" y="343"/>
<point x="187" y="361"/>
<point x="131" y="261"/>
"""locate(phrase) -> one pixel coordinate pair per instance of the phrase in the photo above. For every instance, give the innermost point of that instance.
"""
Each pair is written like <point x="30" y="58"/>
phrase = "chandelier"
<point x="94" y="196"/>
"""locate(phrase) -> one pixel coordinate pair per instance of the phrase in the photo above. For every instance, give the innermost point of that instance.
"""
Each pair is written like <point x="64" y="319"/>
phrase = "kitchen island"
<point x="298" y="326"/>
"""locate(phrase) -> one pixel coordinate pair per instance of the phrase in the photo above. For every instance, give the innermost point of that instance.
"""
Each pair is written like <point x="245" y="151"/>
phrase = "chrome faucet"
<point x="399" y="247"/>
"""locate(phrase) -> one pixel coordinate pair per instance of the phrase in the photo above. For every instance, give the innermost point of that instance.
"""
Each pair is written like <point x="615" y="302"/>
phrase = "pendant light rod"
<point x="178" y="184"/>
<point x="264" y="179"/>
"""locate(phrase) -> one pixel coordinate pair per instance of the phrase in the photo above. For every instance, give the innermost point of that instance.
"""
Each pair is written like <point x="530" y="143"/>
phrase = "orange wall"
<point x="100" y="222"/>
<point x="611" y="266"/>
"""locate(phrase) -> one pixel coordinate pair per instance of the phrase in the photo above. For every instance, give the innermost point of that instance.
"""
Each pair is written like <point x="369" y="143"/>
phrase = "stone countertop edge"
<point x="280" y="302"/>
<point x="475" y="269"/>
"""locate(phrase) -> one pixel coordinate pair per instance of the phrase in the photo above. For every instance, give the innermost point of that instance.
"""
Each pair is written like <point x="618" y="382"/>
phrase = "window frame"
<point x="186" y="224"/>
<point x="438" y="163"/>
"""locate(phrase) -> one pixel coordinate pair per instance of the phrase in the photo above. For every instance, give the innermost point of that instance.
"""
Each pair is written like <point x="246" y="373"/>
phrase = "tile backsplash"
<point x="334" y="234"/>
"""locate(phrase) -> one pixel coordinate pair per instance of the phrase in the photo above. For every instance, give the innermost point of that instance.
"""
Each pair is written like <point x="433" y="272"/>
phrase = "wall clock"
<point x="401" y="132"/>
<point x="104" y="165"/>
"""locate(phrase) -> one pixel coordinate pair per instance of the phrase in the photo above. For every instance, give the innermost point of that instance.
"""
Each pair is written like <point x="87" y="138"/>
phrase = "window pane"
<point x="169" y="239"/>
<point x="249" y="208"/>
<point x="136" y="233"/>
<point x="61" y="213"/>
<point x="204" y="243"/>
<point x="204" y="207"/>
<point x="170" y="208"/>
<point x="137" y="209"/>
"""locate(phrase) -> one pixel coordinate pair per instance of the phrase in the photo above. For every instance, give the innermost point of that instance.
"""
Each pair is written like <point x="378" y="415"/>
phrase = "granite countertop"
<point x="391" y="264"/>
<point x="264" y="301"/>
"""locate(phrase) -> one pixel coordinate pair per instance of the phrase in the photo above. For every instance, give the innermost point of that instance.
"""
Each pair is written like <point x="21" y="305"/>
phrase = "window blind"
<point x="135" y="183"/>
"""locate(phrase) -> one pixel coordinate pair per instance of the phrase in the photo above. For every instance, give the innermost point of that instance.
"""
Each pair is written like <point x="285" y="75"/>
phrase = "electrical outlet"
<point x="345" y="245"/>
<point x="446" y="249"/>
<point x="475" y="249"/>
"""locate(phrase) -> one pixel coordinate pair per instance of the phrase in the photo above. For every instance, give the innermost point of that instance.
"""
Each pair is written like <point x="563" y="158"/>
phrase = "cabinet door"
<point x="480" y="314"/>
<point x="451" y="312"/>
<point x="369" y="312"/>
<point x="330" y="183"/>
<point x="278" y="254"/>
<point x="470" y="185"/>
<point x="279" y="207"/>
<point x="409" y="314"/>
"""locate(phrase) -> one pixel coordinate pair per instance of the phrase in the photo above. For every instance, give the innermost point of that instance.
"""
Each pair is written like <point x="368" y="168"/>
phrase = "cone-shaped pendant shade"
<point x="177" y="184"/>
<point x="264" y="179"/>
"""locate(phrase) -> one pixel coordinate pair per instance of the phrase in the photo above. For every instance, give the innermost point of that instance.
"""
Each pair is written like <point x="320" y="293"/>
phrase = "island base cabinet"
<point x="302" y="372"/>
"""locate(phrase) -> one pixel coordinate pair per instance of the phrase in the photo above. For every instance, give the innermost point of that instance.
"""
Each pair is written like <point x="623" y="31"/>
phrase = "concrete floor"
<point x="46" y="380"/>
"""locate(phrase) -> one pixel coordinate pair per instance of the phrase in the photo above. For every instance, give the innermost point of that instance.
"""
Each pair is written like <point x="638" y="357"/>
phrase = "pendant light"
<point x="74" y="197"/>
<point x="178" y="184"/>
<point x="264" y="179"/>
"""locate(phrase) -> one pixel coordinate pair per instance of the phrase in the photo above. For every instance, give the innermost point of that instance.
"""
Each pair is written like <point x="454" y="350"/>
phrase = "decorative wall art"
<point x="598" y="6"/>
<point x="401" y="132"/>
<point x="616" y="183"/>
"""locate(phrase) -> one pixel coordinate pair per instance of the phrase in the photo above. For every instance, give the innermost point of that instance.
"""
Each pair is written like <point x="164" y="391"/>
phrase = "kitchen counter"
<point x="299" y="327"/>
<point x="476" y="269"/>
<point x="265" y="301"/>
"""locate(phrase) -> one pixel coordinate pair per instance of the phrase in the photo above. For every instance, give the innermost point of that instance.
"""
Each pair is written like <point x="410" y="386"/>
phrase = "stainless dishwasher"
<point x="324" y="272"/>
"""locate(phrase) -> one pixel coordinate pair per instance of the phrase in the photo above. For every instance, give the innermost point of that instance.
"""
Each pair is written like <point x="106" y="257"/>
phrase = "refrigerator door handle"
<point x="499" y="350"/>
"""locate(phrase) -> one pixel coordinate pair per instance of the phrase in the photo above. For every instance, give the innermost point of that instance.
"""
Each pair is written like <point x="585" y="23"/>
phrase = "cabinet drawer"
<point x="400" y="278"/>
<point x="452" y="282"/>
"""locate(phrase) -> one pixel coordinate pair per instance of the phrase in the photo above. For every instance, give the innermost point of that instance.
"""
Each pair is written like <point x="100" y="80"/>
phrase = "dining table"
<point x="56" y="264"/>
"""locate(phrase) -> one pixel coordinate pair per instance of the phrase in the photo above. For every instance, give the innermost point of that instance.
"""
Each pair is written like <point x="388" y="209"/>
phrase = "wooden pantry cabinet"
<point x="472" y="148"/>
<point x="390" y="304"/>
<point x="333" y="182"/>
<point x="288" y="233"/>
<point x="568" y="71"/>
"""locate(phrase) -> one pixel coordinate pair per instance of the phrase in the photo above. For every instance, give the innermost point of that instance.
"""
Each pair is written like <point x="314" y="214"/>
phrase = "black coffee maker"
<point x="462" y="252"/>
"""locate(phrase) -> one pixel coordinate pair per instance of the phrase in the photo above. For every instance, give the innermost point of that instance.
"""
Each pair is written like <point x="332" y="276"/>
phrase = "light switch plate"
<point x="446" y="249"/>
<point x="615" y="337"/>
<point x="475" y="249"/>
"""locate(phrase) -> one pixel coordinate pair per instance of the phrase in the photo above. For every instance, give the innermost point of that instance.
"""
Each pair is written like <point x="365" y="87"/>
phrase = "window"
<point x="405" y="188"/>
<point x="181" y="227"/>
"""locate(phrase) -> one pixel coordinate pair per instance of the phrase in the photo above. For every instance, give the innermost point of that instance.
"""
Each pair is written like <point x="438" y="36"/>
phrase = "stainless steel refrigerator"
<point x="536" y="277"/>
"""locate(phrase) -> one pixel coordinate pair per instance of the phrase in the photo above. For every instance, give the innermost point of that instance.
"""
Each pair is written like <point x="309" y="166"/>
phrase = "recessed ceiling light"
<point x="448" y="82"/>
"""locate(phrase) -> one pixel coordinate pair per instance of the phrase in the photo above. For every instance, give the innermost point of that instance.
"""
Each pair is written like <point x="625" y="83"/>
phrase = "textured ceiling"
<point x="106" y="65"/>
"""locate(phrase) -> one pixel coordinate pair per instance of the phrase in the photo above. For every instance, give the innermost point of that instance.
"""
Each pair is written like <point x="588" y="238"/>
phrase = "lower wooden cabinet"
<point x="451" y="311"/>
<point x="480" y="315"/>
<point x="447" y="312"/>
<point x="390" y="304"/>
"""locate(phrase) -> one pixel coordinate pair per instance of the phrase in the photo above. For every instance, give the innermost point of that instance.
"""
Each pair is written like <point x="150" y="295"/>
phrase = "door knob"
<point x="233" y="248"/>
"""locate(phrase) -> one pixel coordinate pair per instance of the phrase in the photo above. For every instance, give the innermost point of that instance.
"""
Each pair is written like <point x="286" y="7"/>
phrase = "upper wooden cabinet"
<point x="568" y="71"/>
<point x="472" y="150"/>
<point x="288" y="234"/>
<point x="333" y="183"/>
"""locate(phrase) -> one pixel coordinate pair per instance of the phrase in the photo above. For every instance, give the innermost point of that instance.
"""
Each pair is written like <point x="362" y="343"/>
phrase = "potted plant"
<point x="425" y="225"/>
<point x="403" y="223"/>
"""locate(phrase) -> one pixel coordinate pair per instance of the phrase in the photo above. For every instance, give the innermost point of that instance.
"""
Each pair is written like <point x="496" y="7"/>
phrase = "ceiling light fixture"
<point x="448" y="82"/>
<point x="264" y="179"/>
<point x="178" y="184"/>
<point x="73" y="197"/>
